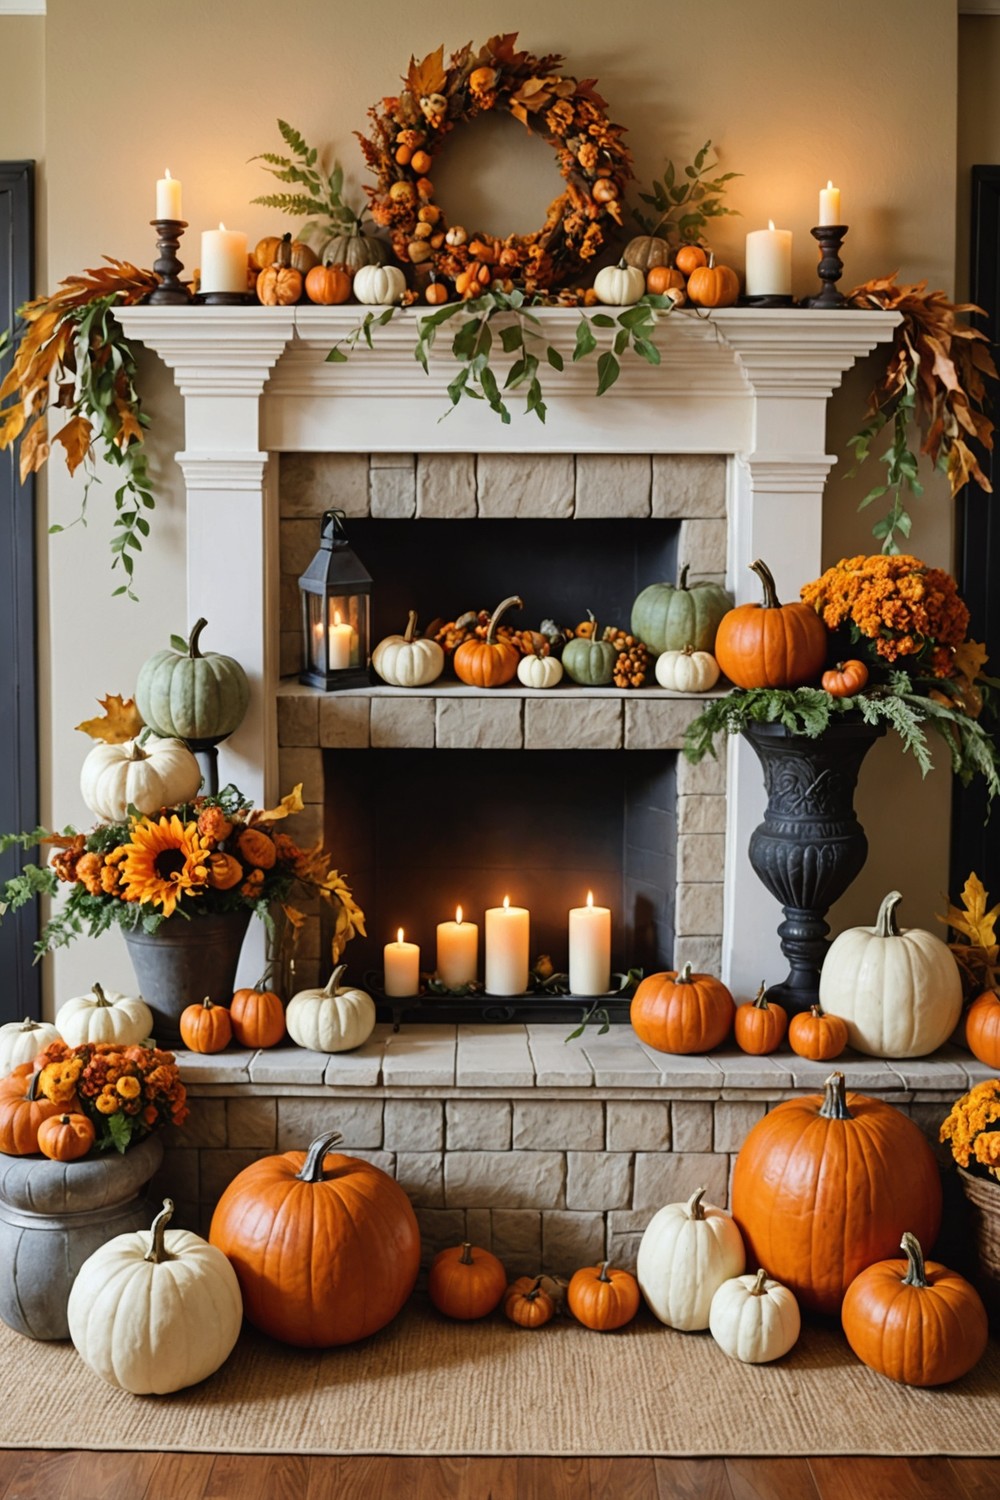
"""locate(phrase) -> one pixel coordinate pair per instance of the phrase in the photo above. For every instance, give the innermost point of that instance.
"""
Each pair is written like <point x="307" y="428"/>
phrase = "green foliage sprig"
<point x="320" y="192"/>
<point x="685" y="200"/>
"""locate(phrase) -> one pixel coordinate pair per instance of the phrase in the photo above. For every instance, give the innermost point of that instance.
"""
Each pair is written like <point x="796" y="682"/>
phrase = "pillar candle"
<point x="769" y="262"/>
<point x="223" y="260"/>
<point x="829" y="205"/>
<point x="507" y="944"/>
<point x="457" y="951"/>
<point x="402" y="967"/>
<point x="589" y="949"/>
<point x="168" y="196"/>
<point x="341" y="644"/>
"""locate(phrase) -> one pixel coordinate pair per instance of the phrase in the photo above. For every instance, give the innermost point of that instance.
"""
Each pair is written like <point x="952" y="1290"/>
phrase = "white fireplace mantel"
<point x="748" y="383"/>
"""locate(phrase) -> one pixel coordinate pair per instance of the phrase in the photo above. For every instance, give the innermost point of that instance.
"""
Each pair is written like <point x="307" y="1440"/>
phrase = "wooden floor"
<point x="26" y="1475"/>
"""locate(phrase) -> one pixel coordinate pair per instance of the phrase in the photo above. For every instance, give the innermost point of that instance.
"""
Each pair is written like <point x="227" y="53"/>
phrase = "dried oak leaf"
<point x="120" y="721"/>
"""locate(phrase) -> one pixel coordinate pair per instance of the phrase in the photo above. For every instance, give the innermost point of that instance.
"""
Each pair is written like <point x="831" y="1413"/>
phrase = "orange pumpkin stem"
<point x="760" y="1001"/>
<point x="157" y="1251"/>
<point x="685" y="976"/>
<point x="465" y="1259"/>
<point x="411" y="626"/>
<point x="535" y="1291"/>
<point x="885" y="923"/>
<point x="834" y="1105"/>
<point x="915" y="1272"/>
<point x="695" y="1209"/>
<point x="312" y="1167"/>
<point x="758" y="1288"/>
<point x="603" y="1274"/>
<point x="514" y="602"/>
<point x="198" y="627"/>
<point x="767" y="579"/>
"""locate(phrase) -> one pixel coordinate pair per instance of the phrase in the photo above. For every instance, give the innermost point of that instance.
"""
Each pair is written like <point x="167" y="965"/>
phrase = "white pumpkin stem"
<point x="312" y="1167"/>
<point x="198" y="627"/>
<point x="157" y="1251"/>
<point x="916" y="1274"/>
<point x="514" y="602"/>
<point x="885" y="923"/>
<point x="334" y="980"/>
<point x="411" y="627"/>
<point x="29" y="1025"/>
<point x="834" y="1105"/>
<point x="101" y="998"/>
<point x="465" y="1259"/>
<point x="136" y="752"/>
<point x="758" y="1289"/>
<point x="695" y="1208"/>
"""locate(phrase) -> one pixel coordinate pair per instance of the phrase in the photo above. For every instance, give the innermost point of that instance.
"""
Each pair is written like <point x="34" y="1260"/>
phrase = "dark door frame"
<point x="20" y="990"/>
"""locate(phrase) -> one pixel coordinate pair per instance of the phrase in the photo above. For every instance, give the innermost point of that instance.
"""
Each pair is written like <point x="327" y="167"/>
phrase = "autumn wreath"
<point x="410" y="129"/>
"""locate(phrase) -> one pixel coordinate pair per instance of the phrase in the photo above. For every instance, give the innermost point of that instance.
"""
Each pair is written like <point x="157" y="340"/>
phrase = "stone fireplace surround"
<point x="552" y="1153"/>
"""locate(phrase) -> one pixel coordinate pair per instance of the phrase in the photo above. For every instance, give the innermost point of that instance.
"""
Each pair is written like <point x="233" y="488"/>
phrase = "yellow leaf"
<point x="974" y="921"/>
<point x="296" y="918"/>
<point x="970" y="659"/>
<point x="119" y="722"/>
<point x="291" y="804"/>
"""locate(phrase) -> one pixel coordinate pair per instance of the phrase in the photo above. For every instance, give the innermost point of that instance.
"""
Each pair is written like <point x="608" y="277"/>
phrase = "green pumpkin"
<point x="187" y="696"/>
<point x="666" y="618"/>
<point x="591" y="663"/>
<point x="354" y="249"/>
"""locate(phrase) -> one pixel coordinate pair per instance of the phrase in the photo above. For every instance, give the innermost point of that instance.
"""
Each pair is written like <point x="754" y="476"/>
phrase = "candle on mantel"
<point x="223" y="260"/>
<point x="402" y="967"/>
<point x="589" y="949"/>
<point x="829" y="205"/>
<point x="769" y="262"/>
<point x="341" y="642"/>
<point x="168" y="196"/>
<point x="457" y="951"/>
<point x="507" y="947"/>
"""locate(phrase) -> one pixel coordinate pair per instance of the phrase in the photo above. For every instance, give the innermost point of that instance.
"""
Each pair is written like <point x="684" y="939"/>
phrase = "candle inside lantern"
<point x="223" y="260"/>
<point x="342" y="641"/>
<point x="769" y="262"/>
<point x="402" y="967"/>
<point x="589" y="949"/>
<point x="457" y="951"/>
<point x="829" y="205"/>
<point x="168" y="196"/>
<point x="507" y="946"/>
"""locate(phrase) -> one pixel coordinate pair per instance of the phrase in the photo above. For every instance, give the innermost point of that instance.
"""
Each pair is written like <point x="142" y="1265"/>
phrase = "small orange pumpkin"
<point x="760" y="1025"/>
<point x="279" y="286"/>
<point x="660" y="279"/>
<point x="982" y="1029"/>
<point x="65" y="1137"/>
<point x="771" y="644"/>
<point x="22" y="1111"/>
<point x="527" y="1304"/>
<point x="682" y="1012"/>
<point x="465" y="1282"/>
<point x="436" y="293"/>
<point x="690" y="258"/>
<point x="713" y="286"/>
<point x="602" y="1298"/>
<point x="489" y="663"/>
<point x="328" y="285"/>
<point x="845" y="679"/>
<point x="257" y="1017"/>
<point x="205" y="1027"/>
<point x="816" y="1035"/>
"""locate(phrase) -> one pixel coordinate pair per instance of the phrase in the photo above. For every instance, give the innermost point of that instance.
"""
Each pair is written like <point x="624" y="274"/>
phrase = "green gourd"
<point x="668" y="618"/>
<point x="589" y="661"/>
<point x="191" y="696"/>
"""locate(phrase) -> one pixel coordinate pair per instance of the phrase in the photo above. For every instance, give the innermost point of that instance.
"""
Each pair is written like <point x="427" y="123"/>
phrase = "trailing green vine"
<point x="684" y="204"/>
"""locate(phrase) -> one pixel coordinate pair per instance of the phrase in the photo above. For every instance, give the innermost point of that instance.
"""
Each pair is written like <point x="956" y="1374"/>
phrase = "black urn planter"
<point x="810" y="845"/>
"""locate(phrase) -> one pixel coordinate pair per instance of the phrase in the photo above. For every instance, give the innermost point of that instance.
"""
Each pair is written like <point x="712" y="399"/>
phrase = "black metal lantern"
<point x="336" y="612"/>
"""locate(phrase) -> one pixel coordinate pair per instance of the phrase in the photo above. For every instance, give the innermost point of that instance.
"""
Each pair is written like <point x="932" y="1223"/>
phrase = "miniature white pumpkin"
<point x="898" y="989"/>
<point x="21" y="1041"/>
<point x="687" y="1252"/>
<point x="620" y="285"/>
<point x="539" y="671"/>
<point x="687" y="671"/>
<point x="333" y="1019"/>
<point x="98" y="1017"/>
<point x="405" y="662"/>
<point x="754" y="1319"/>
<point x="156" y="773"/>
<point x="156" y="1310"/>
<point x="379" y="285"/>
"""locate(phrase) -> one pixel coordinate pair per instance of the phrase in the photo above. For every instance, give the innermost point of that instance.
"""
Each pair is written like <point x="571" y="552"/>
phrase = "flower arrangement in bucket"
<point x="127" y="1093"/>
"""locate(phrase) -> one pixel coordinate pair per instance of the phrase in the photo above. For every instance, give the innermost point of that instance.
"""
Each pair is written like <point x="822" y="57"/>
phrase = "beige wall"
<point x="788" y="98"/>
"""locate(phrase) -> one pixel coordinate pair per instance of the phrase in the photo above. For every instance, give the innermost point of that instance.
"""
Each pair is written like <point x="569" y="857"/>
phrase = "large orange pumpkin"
<point x="257" y="1017"/>
<point x="982" y="1029"/>
<point x="489" y="663"/>
<point x="22" y="1111"/>
<point x="326" y="1247"/>
<point x="682" y="1012"/>
<point x="825" y="1184"/>
<point x="771" y="644"/>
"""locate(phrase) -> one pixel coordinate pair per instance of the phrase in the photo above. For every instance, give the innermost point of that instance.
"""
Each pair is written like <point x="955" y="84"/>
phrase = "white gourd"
<point x="155" y="1311"/>
<point x="404" y="662"/>
<point x="378" y="286"/>
<point x="687" y="671"/>
<point x="332" y="1019"/>
<point x="620" y="285"/>
<point x="754" y="1319"/>
<point x="157" y="773"/>
<point x="539" y="671"/>
<point x="21" y="1041"/>
<point x="122" y="1020"/>
<point x="687" y="1252"/>
<point x="898" y="989"/>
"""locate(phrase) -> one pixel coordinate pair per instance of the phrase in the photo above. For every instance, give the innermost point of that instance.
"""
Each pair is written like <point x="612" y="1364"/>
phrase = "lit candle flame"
<point x="166" y="171"/>
<point x="399" y="935"/>
<point x="221" y="225"/>
<point x="829" y="183"/>
<point x="506" y="903"/>
<point x="590" y="898"/>
<point x="336" y="617"/>
<point x="458" y="915"/>
<point x="770" y="223"/>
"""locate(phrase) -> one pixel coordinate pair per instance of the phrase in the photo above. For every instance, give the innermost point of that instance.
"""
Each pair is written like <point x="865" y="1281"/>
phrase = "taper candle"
<point x="168" y="196"/>
<point x="829" y="205"/>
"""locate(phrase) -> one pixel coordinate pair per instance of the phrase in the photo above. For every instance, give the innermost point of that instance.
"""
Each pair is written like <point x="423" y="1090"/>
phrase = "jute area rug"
<point x="427" y="1386"/>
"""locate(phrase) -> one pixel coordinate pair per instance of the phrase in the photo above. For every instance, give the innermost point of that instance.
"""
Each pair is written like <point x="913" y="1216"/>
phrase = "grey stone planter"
<point x="182" y="962"/>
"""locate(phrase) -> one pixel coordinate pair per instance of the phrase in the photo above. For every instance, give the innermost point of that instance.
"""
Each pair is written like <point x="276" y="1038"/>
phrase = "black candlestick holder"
<point x="831" y="267"/>
<point x="170" y="291"/>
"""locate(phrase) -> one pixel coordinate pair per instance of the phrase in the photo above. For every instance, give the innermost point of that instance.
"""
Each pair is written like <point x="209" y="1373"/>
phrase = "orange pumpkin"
<point x="825" y="1185"/>
<point x="982" y="1029"/>
<point x="760" y="1025"/>
<point x="845" y="679"/>
<point x="66" y="1137"/>
<point x="328" y="285"/>
<point x="436" y="293"/>
<point x="257" y="1017"/>
<point x="602" y="1298"/>
<point x="690" y="258"/>
<point x="660" y="279"/>
<point x="283" y="250"/>
<point x="279" y="286"/>
<point x="713" y="286"/>
<point x="816" y="1035"/>
<point x="682" y="1012"/>
<point x="466" y="1282"/>
<point x="770" y="644"/>
<point x="326" y="1247"/>
<point x="914" y="1320"/>
<point x="489" y="663"/>
<point x="22" y="1111"/>
<point x="205" y="1027"/>
<point x="527" y="1303"/>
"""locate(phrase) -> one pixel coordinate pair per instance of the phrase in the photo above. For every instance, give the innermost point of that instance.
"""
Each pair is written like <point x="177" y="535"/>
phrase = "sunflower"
<point x="164" y="859"/>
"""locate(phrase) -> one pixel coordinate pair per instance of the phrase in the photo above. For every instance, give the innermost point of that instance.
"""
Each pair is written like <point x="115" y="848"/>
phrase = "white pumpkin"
<point x="21" y="1041"/>
<point x="539" y="671"/>
<point x="754" y="1319"/>
<point x="379" y="285"/>
<point x="405" y="662"/>
<point x="687" y="671"/>
<point x="620" y="285"/>
<point x="98" y="1017"/>
<point x="333" y="1019"/>
<point x="156" y="1310"/>
<point x="687" y="1252"/>
<point x="156" y="773"/>
<point x="898" y="989"/>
